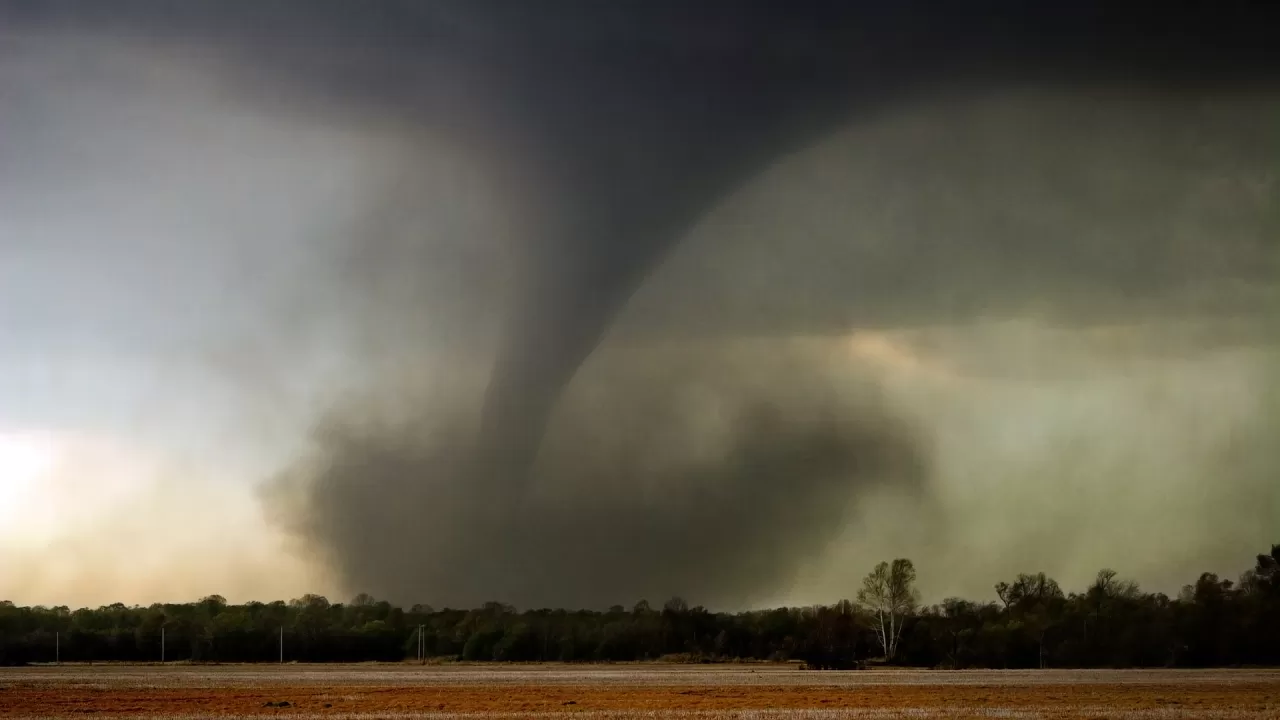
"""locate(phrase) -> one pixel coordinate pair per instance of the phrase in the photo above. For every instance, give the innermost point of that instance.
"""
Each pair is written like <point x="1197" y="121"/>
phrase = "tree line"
<point x="1111" y="623"/>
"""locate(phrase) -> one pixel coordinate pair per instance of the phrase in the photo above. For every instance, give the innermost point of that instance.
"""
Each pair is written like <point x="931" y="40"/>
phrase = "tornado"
<point x="561" y="459"/>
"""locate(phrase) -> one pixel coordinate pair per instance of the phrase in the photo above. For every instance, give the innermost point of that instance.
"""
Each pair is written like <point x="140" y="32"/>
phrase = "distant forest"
<point x="1212" y="622"/>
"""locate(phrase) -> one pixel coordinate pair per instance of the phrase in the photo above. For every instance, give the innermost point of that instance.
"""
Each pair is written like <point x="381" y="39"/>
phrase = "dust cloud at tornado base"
<point x="1016" y="333"/>
<point x="665" y="471"/>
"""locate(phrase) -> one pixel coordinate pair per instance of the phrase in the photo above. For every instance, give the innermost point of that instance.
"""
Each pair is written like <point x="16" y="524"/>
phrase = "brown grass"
<point x="626" y="692"/>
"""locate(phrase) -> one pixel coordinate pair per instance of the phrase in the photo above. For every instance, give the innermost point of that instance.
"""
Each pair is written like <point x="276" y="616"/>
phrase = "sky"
<point x="131" y="249"/>
<point x="1068" y="304"/>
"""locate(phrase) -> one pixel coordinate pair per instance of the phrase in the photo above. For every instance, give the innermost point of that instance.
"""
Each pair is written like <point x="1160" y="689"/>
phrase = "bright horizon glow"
<point x="53" y="483"/>
<point x="27" y="459"/>
<point x="90" y="519"/>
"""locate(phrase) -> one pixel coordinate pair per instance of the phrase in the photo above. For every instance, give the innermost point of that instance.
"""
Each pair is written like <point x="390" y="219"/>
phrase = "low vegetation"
<point x="1112" y="623"/>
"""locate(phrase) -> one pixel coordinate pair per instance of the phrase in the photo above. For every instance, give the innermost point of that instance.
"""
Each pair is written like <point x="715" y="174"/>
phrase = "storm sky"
<point x="249" y="335"/>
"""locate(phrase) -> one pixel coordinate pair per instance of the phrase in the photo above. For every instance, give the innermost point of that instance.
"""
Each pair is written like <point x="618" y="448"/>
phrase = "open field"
<point x="623" y="692"/>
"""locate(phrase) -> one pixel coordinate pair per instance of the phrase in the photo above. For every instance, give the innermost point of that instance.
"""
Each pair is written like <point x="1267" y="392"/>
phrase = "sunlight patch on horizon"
<point x="88" y="520"/>
<point x="26" y="459"/>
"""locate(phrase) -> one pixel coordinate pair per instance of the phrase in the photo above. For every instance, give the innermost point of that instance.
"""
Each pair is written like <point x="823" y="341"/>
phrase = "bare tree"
<point x="888" y="593"/>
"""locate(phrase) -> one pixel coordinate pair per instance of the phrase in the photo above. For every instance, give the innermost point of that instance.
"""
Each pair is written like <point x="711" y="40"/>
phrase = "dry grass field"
<point x="623" y="692"/>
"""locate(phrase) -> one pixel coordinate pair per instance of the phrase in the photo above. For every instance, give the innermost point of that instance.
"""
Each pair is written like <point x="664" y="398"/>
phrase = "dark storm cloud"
<point x="627" y="121"/>
<point x="606" y="132"/>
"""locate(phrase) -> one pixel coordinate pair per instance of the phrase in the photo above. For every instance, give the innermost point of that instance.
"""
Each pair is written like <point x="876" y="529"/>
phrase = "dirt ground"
<point x="757" y="692"/>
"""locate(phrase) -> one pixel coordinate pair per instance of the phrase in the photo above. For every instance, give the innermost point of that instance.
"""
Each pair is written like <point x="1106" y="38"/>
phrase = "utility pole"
<point x="162" y="646"/>
<point x="281" y="644"/>
<point x="57" y="648"/>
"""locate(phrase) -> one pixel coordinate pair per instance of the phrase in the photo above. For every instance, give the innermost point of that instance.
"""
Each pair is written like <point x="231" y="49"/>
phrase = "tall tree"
<point x="1033" y="601"/>
<point x="889" y="595"/>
